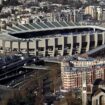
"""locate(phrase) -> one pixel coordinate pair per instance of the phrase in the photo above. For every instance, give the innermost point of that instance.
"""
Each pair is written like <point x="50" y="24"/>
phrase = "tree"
<point x="72" y="100"/>
<point x="56" y="81"/>
<point x="29" y="99"/>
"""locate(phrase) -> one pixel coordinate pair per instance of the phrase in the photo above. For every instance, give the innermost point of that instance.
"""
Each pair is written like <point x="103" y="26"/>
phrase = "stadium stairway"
<point x="96" y="50"/>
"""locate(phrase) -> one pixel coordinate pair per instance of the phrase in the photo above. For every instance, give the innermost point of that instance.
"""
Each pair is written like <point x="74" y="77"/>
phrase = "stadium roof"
<point x="6" y="36"/>
<point x="44" y="28"/>
<point x="38" y="26"/>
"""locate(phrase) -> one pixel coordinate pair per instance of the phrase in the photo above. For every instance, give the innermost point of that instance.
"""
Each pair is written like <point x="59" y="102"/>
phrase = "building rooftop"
<point x="76" y="69"/>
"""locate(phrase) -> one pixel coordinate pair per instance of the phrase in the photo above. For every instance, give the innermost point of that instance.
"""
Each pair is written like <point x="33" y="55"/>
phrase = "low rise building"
<point x="98" y="96"/>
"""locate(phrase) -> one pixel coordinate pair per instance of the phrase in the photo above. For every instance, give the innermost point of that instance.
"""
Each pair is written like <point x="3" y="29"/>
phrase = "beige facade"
<point x="76" y="77"/>
<point x="57" y="45"/>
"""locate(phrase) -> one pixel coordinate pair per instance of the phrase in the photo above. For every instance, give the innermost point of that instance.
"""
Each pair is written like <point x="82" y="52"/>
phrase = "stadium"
<point x="51" y="38"/>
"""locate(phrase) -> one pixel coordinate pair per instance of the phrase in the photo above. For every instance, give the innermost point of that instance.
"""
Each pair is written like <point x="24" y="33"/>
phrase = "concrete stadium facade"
<point x="57" y="44"/>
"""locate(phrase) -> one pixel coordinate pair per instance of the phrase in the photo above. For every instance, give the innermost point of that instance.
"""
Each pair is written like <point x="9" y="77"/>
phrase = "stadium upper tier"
<point x="51" y="38"/>
<point x="38" y="29"/>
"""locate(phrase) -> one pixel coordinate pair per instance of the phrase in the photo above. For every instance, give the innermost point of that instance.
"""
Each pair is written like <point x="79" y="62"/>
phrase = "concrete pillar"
<point x="19" y="46"/>
<point x="88" y="42"/>
<point x="79" y="38"/>
<point x="71" y="41"/>
<point x="3" y="45"/>
<point x="53" y="46"/>
<point x="103" y="38"/>
<point x="44" y="47"/>
<point x="94" y="29"/>
<point x="62" y="53"/>
<point x="35" y="46"/>
<point x="96" y="39"/>
<point x="11" y="46"/>
<point x="28" y="47"/>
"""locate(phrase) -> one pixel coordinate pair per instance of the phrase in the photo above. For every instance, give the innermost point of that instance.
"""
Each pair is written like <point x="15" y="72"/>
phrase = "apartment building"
<point x="72" y="77"/>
